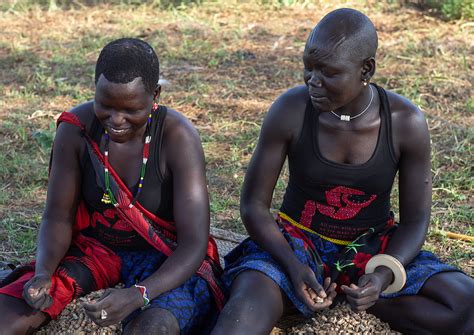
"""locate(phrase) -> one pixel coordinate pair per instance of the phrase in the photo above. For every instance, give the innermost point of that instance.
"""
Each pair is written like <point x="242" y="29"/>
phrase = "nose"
<point x="314" y="80"/>
<point x="116" y="119"/>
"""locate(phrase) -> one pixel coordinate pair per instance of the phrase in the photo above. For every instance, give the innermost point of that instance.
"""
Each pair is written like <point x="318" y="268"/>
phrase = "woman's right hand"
<point x="36" y="292"/>
<point x="309" y="291"/>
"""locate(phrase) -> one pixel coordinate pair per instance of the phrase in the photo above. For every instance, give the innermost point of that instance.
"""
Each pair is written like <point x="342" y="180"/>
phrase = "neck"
<point x="359" y="103"/>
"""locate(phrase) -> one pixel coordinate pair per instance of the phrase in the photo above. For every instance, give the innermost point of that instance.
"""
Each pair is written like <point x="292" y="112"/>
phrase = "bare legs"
<point x="16" y="317"/>
<point x="443" y="306"/>
<point x="256" y="304"/>
<point x="153" y="321"/>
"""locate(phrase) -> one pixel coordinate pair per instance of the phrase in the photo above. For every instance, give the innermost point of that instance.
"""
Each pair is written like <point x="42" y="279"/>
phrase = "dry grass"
<point x="226" y="62"/>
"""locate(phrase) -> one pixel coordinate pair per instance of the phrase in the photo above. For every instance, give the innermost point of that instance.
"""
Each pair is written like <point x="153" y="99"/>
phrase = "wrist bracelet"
<point x="399" y="274"/>
<point x="144" y="292"/>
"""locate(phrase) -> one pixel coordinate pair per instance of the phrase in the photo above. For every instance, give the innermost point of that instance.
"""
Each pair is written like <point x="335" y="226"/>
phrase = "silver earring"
<point x="365" y="82"/>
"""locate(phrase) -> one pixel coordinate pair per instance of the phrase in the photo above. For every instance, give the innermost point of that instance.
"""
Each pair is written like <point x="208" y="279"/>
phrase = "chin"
<point x="321" y="107"/>
<point x="119" y="139"/>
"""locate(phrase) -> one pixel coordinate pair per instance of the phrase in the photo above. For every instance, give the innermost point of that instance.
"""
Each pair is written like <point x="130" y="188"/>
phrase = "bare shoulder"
<point x="182" y="151"/>
<point x="70" y="133"/>
<point x="408" y="122"/>
<point x="402" y="108"/>
<point x="178" y="129"/>
<point x="85" y="112"/>
<point x="291" y="102"/>
<point x="286" y="115"/>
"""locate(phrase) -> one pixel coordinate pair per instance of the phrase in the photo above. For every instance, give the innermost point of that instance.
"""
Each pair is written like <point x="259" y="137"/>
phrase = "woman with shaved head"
<point x="345" y="139"/>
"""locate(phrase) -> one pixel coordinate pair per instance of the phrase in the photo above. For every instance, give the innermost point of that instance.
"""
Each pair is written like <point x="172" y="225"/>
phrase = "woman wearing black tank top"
<point x="127" y="183"/>
<point x="345" y="139"/>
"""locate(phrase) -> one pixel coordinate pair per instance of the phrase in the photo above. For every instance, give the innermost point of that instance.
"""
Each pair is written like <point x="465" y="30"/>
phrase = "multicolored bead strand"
<point x="108" y="196"/>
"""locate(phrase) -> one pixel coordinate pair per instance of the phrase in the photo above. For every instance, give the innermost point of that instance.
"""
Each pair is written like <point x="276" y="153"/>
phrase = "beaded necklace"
<point x="108" y="197"/>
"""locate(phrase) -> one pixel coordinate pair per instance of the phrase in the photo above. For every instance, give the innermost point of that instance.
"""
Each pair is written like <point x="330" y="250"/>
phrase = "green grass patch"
<point x="225" y="62"/>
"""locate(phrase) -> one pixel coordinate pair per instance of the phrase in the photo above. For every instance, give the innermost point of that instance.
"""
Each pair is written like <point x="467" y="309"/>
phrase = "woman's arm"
<point x="185" y="162"/>
<point x="54" y="239"/>
<point x="276" y="134"/>
<point x="280" y="129"/>
<point x="414" y="188"/>
<point x="412" y="145"/>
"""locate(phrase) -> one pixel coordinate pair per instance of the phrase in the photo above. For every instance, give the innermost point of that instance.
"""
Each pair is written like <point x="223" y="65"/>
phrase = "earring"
<point x="365" y="82"/>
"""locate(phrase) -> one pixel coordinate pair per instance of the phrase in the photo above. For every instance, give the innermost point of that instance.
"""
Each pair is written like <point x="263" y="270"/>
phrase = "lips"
<point x="117" y="131"/>
<point x="317" y="98"/>
<point x="315" y="95"/>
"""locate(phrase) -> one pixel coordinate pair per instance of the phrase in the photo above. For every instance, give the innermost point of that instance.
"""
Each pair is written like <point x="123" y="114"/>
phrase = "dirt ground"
<point x="223" y="63"/>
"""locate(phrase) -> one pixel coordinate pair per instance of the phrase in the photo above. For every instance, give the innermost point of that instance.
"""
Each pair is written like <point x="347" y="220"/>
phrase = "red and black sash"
<point x="159" y="233"/>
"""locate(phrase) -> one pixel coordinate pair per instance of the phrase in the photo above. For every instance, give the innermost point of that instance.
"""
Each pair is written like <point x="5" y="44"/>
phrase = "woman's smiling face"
<point x="122" y="109"/>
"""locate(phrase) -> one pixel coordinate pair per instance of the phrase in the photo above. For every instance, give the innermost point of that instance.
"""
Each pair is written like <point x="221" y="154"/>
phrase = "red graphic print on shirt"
<point x="308" y="213"/>
<point x="344" y="203"/>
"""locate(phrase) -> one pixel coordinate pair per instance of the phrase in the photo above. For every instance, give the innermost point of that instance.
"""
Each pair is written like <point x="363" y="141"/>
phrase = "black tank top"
<point x="156" y="195"/>
<point x="340" y="201"/>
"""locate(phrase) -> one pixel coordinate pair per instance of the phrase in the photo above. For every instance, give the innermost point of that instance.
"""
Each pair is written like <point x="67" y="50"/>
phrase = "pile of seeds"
<point x="338" y="320"/>
<point x="73" y="320"/>
<point x="341" y="320"/>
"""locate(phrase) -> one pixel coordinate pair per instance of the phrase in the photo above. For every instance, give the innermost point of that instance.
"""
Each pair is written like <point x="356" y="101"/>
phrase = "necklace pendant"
<point x="345" y="118"/>
<point x="106" y="198"/>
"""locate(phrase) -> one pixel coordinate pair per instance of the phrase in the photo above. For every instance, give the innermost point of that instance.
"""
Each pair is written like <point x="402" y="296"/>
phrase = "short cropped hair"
<point x="123" y="60"/>
<point x="355" y="29"/>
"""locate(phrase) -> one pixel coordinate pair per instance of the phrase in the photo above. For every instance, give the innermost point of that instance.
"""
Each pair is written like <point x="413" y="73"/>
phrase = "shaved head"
<point x="345" y="30"/>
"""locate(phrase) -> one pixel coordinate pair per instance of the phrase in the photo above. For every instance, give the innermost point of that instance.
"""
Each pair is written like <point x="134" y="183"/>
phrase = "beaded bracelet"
<point x="144" y="292"/>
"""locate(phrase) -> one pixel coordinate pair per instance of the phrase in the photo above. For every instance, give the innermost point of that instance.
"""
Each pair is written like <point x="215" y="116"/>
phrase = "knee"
<point x="231" y="314"/>
<point x="462" y="313"/>
<point x="14" y="327"/>
<point x="235" y="318"/>
<point x="254" y="307"/>
<point x="461" y="320"/>
<point x="242" y="315"/>
<point x="138" y="326"/>
<point x="153" y="321"/>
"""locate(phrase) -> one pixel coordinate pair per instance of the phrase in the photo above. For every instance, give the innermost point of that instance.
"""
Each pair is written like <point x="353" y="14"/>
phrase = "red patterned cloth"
<point x="103" y="264"/>
<point x="67" y="284"/>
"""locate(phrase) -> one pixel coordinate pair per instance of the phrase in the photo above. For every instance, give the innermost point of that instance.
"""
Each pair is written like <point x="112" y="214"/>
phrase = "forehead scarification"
<point x="325" y="45"/>
<point x="346" y="32"/>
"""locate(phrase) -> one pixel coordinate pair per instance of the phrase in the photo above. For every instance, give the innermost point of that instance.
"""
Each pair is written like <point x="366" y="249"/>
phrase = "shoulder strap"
<point x="162" y="112"/>
<point x="387" y="115"/>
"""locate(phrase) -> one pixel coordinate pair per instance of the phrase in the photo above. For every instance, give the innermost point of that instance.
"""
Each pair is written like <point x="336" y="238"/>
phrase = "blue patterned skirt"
<point x="324" y="260"/>
<point x="192" y="303"/>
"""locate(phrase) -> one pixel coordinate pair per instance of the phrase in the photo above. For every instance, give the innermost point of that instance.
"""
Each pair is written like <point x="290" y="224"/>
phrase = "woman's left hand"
<point x="366" y="293"/>
<point x="114" y="306"/>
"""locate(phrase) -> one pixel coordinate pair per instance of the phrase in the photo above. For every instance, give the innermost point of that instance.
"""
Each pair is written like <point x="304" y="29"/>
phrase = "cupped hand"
<point x="115" y="305"/>
<point x="36" y="292"/>
<point x="364" y="295"/>
<point x="309" y="291"/>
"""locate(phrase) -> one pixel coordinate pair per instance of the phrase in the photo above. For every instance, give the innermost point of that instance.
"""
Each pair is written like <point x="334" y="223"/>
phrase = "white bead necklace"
<point x="347" y="118"/>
